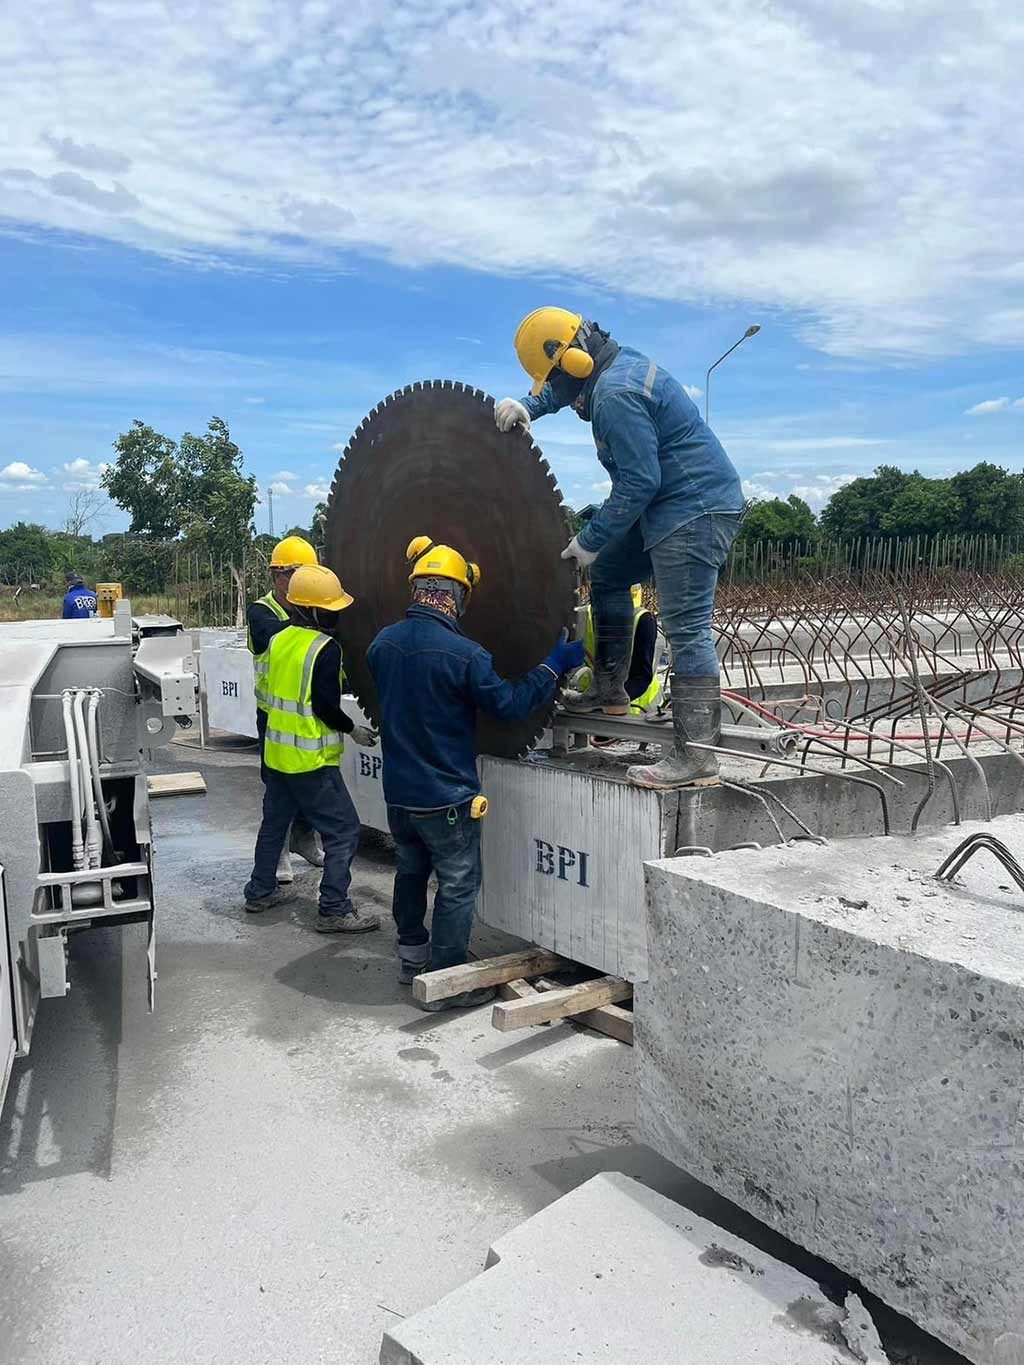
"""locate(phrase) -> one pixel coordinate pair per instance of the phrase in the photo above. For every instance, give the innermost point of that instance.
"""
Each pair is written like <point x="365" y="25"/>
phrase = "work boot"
<point x="413" y="958"/>
<point x="463" y="1001"/>
<point x="696" y="717"/>
<point x="255" y="905"/>
<point x="606" y="694"/>
<point x="596" y="702"/>
<point x="284" y="867"/>
<point x="306" y="843"/>
<point x="355" y="922"/>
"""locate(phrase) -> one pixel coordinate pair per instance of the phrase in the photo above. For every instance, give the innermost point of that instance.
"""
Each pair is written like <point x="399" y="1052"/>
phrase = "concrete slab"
<point x="834" y="1040"/>
<point x="616" y="1273"/>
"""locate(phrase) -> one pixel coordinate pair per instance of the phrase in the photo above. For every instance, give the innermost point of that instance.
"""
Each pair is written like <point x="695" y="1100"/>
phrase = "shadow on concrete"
<point x="333" y="972"/>
<point x="524" y="1047"/>
<point x="59" y="1116"/>
<point x="905" y="1342"/>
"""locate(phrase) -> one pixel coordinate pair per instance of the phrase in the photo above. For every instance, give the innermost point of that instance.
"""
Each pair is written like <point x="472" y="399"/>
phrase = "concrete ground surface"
<point x="287" y="1155"/>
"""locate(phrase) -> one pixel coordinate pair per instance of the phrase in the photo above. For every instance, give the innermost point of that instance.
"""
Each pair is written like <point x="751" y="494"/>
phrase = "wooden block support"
<point x="517" y="990"/>
<point x="176" y="784"/>
<point x="489" y="971"/>
<point x="609" y="1019"/>
<point x="559" y="1004"/>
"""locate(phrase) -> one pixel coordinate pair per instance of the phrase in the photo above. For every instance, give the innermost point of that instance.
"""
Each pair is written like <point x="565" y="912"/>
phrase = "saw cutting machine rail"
<point x="82" y="703"/>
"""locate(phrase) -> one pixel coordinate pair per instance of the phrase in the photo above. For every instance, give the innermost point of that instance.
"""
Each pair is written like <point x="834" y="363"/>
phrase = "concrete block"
<point x="614" y="1272"/>
<point x="835" y="1040"/>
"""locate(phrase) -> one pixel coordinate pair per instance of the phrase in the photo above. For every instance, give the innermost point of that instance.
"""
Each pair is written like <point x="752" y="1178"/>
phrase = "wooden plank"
<point x="517" y="990"/>
<point x="560" y="1004"/>
<point x="489" y="971"/>
<point x="176" y="784"/>
<point x="612" y="1020"/>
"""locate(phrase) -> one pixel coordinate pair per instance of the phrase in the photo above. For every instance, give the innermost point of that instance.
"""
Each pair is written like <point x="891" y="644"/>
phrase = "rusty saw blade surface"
<point x="429" y="461"/>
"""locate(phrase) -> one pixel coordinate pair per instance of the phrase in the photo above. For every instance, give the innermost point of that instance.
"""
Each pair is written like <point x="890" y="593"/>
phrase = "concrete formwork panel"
<point x="835" y="1040"/>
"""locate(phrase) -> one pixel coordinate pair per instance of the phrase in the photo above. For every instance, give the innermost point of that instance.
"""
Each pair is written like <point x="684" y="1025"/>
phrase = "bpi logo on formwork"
<point x="554" y="860"/>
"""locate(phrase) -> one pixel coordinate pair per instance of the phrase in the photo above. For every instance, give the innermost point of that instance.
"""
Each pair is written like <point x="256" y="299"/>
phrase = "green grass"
<point x="41" y="606"/>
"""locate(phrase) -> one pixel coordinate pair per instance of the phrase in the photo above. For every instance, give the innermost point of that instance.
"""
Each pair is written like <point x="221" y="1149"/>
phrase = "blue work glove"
<point x="566" y="655"/>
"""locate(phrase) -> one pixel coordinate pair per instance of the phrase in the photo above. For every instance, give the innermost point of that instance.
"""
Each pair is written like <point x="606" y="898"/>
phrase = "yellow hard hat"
<point x="291" y="552"/>
<point x="638" y="595"/>
<point x="440" y="561"/>
<point x="315" y="585"/>
<point x="542" y="343"/>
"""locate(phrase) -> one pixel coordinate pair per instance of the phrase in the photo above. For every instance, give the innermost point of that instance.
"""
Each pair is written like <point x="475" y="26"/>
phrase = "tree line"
<point x="190" y="502"/>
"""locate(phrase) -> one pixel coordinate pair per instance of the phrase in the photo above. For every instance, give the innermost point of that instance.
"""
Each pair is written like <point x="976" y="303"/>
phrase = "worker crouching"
<point x="430" y="680"/>
<point x="302" y="746"/>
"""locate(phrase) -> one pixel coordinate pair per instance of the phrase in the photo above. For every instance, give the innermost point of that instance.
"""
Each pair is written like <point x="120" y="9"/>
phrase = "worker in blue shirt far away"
<point x="673" y="511"/>
<point x="79" y="601"/>
<point x="431" y="679"/>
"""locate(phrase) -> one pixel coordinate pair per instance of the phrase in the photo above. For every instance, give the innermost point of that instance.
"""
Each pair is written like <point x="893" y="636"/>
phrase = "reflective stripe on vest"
<point x="296" y="741"/>
<point x="259" y="661"/>
<point x="584" y="679"/>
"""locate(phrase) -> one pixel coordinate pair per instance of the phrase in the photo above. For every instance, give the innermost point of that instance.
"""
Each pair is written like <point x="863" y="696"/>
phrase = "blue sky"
<point x="301" y="207"/>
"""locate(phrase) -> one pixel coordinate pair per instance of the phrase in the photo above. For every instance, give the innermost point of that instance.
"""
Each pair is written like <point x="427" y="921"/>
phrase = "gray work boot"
<point x="306" y="843"/>
<point x="355" y="922"/>
<point x="256" y="905"/>
<point x="607" y="693"/>
<point x="595" y="702"/>
<point x="696" y="717"/>
<point x="413" y="958"/>
<point x="463" y="1001"/>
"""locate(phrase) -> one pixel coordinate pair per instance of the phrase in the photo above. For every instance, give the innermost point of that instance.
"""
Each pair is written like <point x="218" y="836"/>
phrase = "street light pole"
<point x="751" y="331"/>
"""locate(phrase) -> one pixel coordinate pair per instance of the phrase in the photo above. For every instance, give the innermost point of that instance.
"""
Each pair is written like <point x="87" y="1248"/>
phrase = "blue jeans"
<point x="446" y="842"/>
<point x="323" y="799"/>
<point x="685" y="567"/>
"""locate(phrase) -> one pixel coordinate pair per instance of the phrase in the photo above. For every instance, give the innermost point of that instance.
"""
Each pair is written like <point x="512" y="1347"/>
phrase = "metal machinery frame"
<point x="139" y="678"/>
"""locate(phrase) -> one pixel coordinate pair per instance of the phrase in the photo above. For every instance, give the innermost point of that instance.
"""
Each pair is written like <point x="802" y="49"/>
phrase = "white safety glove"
<point x="574" y="550"/>
<point x="509" y="411"/>
<point x="363" y="735"/>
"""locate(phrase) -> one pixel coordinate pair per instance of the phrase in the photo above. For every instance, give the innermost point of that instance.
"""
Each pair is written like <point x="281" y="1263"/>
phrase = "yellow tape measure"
<point x="478" y="809"/>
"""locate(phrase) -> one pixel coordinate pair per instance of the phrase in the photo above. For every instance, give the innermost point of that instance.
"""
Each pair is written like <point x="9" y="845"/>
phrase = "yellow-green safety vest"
<point x="260" y="661"/>
<point x="296" y="740"/>
<point x="584" y="678"/>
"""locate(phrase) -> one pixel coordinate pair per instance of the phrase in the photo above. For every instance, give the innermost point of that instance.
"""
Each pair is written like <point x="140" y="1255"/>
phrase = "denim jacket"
<point x="430" y="680"/>
<point x="666" y="465"/>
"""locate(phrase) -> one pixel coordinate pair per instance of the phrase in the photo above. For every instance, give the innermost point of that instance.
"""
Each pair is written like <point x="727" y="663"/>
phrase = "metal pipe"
<point x="94" y="767"/>
<point x="92" y="832"/>
<point x="74" y="777"/>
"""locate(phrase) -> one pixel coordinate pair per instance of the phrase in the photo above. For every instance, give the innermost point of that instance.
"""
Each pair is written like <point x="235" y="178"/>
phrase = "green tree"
<point x="144" y="480"/>
<point x="26" y="553"/>
<point x="922" y="507"/>
<point x="992" y="501"/>
<point x="195" y="487"/>
<point x="860" y="507"/>
<point x="786" y="522"/>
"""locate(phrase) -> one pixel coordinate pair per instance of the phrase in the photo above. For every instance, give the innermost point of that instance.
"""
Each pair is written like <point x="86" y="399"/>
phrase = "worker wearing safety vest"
<point x="643" y="686"/>
<point x="672" y="512"/>
<point x="265" y="617"/>
<point x="302" y="746"/>
<point x="431" y="680"/>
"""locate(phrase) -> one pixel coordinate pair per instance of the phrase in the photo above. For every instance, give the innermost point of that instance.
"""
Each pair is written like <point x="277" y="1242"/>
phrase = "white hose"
<point x="92" y="829"/>
<point x="74" y="774"/>
<point x="94" y="765"/>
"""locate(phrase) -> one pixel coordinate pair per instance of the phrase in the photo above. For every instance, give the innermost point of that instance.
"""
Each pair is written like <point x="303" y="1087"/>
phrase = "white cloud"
<point x="254" y="401"/>
<point x="603" y="488"/>
<point x="815" y="493"/>
<point x="285" y="476"/>
<point x="281" y="490"/>
<point x="81" y="474"/>
<point x="992" y="405"/>
<point x="20" y="477"/>
<point x="693" y="391"/>
<point x="795" y="444"/>
<point x="320" y="491"/>
<point x="298" y="132"/>
<point x="339" y="446"/>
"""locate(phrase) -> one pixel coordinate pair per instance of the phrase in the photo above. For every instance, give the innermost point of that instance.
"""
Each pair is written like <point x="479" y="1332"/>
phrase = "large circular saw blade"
<point x="429" y="460"/>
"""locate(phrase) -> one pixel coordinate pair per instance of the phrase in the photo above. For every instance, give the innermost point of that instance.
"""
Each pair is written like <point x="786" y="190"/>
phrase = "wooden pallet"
<point x="176" y="784"/>
<point x="530" y="996"/>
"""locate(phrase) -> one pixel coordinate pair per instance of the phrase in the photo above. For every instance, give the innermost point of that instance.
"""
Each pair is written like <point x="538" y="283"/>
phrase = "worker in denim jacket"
<point x="673" y="511"/>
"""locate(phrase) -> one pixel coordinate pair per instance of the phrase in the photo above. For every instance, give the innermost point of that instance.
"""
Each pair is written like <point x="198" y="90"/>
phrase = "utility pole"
<point x="751" y="331"/>
<point x="270" y="499"/>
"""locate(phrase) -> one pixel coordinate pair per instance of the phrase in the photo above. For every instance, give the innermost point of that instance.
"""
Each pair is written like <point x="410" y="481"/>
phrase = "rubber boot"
<point x="284" y="867"/>
<point x="413" y="958"/>
<point x="696" y="717"/>
<point x="606" y="694"/>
